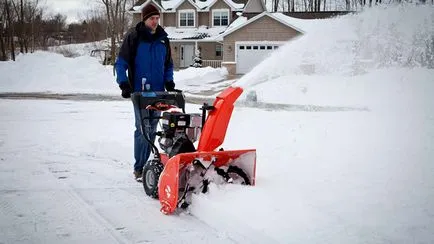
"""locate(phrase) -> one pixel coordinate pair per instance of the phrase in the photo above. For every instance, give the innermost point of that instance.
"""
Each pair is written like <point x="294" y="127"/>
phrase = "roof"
<point x="237" y="22"/>
<point x="288" y="21"/>
<point x="253" y="5"/>
<point x="172" y="5"/>
<point x="217" y="33"/>
<point x="201" y="33"/>
<point x="230" y="3"/>
<point x="137" y="8"/>
<point x="178" y="3"/>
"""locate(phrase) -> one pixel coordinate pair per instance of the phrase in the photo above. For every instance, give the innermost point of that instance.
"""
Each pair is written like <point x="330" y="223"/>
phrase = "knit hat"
<point x="148" y="11"/>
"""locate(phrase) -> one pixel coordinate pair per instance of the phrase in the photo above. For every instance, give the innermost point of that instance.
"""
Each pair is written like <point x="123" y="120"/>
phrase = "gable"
<point x="137" y="8"/>
<point x="274" y="17"/>
<point x="220" y="4"/>
<point x="186" y="5"/>
<point x="255" y="6"/>
<point x="173" y="5"/>
<point x="265" y="29"/>
<point x="232" y="5"/>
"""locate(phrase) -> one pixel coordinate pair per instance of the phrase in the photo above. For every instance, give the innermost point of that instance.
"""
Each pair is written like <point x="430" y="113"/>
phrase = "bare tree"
<point x="31" y="10"/>
<point x="317" y="5"/>
<point x="122" y="20"/>
<point x="10" y="28"/>
<point x="26" y="12"/>
<point x="347" y="5"/>
<point x="2" y="32"/>
<point x="275" y="5"/>
<point x="115" y="9"/>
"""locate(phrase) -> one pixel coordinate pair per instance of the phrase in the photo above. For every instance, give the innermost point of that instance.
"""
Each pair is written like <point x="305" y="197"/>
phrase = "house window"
<point x="220" y="17"/>
<point x="186" y="18"/>
<point x="218" y="50"/>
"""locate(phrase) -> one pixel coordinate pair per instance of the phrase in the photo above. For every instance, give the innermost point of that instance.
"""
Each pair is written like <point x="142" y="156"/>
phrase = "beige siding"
<point x="169" y="19"/>
<point x="137" y="17"/>
<point x="174" y="46"/>
<point x="203" y="18"/>
<point x="186" y="6"/>
<point x="219" y="5"/>
<point x="162" y="19"/>
<point x="263" y="29"/>
<point x="207" y="50"/>
<point x="176" y="54"/>
<point x="231" y="67"/>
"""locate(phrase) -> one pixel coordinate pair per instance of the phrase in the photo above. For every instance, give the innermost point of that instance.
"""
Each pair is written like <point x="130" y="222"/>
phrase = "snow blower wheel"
<point x="238" y="176"/>
<point x="169" y="175"/>
<point x="151" y="175"/>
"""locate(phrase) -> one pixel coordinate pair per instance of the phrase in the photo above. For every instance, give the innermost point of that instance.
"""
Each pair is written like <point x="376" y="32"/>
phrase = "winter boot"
<point x="138" y="176"/>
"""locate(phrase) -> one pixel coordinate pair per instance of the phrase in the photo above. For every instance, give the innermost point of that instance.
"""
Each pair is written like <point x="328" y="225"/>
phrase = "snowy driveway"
<point x="63" y="179"/>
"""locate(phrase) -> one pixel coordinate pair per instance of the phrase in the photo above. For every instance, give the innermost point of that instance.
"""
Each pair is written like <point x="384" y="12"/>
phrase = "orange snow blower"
<point x="173" y="176"/>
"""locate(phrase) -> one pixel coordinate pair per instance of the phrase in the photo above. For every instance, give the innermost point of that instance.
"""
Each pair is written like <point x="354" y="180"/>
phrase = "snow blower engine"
<point x="182" y="169"/>
<point x="180" y="131"/>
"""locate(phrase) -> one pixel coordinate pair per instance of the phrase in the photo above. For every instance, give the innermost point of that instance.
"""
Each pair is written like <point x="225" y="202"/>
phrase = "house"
<point x="235" y="35"/>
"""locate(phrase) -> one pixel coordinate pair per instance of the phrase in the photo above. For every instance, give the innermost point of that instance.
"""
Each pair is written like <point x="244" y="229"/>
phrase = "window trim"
<point x="221" y="50"/>
<point x="185" y="11"/>
<point x="220" y="10"/>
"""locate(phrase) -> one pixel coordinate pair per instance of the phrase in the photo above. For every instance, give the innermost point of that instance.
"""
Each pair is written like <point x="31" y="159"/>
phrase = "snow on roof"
<point x="138" y="8"/>
<point x="228" y="2"/>
<point x="179" y="2"/>
<point x="277" y="16"/>
<point x="204" y="4"/>
<point x="203" y="33"/>
<point x="302" y="25"/>
<point x="171" y="4"/>
<point x="237" y="22"/>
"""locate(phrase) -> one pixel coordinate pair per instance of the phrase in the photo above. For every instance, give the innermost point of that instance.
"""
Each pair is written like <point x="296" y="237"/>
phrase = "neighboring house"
<point x="234" y="35"/>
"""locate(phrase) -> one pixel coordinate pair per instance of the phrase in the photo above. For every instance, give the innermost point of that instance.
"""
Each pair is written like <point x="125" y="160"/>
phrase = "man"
<point x="145" y="54"/>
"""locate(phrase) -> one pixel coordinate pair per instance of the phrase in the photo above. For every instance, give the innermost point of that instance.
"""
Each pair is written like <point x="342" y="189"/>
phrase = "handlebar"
<point x="160" y="100"/>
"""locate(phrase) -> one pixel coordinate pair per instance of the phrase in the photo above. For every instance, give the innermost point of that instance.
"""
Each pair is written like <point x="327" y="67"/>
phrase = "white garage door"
<point x="249" y="55"/>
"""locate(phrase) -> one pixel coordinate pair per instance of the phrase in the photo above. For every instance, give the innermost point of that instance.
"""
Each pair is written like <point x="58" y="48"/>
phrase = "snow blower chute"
<point x="182" y="169"/>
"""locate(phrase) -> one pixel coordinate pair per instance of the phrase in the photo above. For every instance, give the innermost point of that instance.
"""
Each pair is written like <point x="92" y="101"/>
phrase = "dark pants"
<point x="142" y="148"/>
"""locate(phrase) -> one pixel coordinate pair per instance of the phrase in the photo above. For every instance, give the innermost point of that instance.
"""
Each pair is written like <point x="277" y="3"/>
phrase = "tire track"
<point x="167" y="229"/>
<point x="98" y="218"/>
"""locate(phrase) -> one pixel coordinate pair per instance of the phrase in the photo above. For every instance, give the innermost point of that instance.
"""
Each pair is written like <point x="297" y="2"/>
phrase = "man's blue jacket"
<point x="145" y="55"/>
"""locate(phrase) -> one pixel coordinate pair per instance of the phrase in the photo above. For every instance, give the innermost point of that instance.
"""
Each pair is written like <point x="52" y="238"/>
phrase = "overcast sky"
<point x="75" y="10"/>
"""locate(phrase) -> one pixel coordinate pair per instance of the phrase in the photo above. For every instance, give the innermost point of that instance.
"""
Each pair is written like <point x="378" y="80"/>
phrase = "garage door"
<point x="250" y="55"/>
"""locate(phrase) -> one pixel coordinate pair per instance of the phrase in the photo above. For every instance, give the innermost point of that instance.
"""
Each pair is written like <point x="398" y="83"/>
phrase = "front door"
<point x="187" y="55"/>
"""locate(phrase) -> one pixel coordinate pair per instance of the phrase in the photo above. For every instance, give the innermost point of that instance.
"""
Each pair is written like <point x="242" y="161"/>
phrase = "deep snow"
<point x="347" y="157"/>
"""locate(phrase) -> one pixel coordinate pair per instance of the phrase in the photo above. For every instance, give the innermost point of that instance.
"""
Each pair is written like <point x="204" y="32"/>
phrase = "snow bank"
<point x="379" y="37"/>
<point x="52" y="72"/>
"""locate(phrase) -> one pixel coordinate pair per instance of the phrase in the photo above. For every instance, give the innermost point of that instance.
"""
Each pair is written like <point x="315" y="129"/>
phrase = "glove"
<point x="169" y="85"/>
<point x="126" y="89"/>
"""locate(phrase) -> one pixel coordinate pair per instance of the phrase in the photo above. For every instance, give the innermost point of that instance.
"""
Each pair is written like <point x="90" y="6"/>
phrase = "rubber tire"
<point x="235" y="170"/>
<point x="151" y="176"/>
